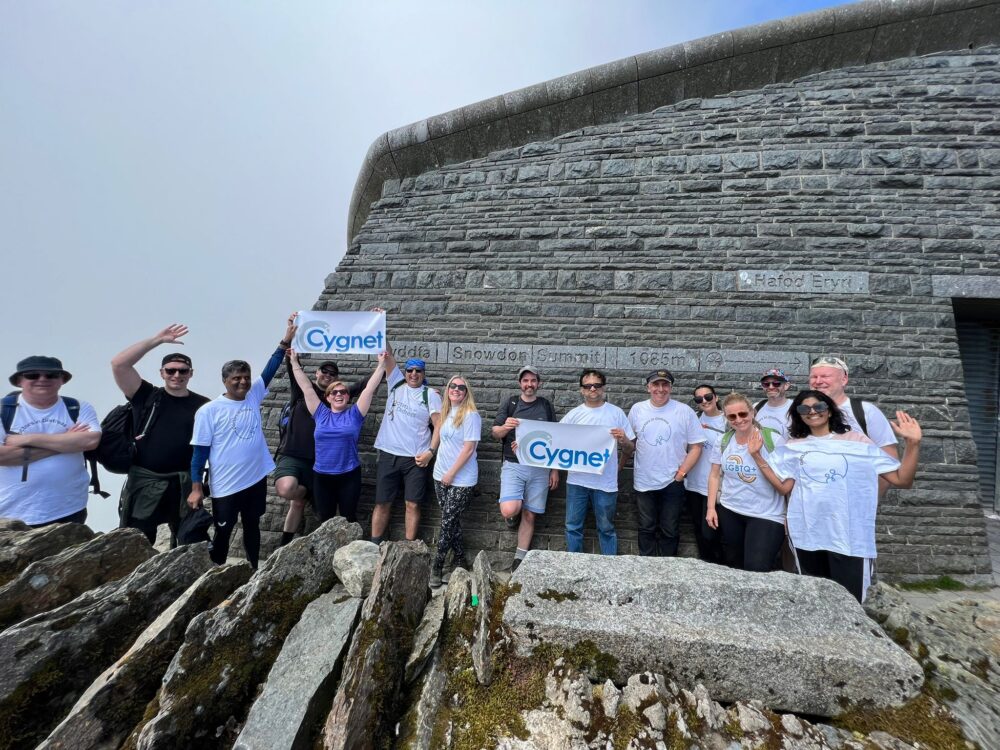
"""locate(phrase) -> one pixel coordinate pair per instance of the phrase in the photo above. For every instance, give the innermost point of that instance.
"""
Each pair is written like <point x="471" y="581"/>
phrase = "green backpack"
<point x="765" y="432"/>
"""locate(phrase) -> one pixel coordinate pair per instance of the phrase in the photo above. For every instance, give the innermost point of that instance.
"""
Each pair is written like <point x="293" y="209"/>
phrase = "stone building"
<point x="828" y="183"/>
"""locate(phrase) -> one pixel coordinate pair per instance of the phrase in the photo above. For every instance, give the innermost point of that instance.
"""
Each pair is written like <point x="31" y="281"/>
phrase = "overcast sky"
<point x="193" y="162"/>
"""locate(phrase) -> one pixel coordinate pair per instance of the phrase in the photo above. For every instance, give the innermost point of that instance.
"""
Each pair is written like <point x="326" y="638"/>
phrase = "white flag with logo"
<point x="340" y="332"/>
<point x="570" y="447"/>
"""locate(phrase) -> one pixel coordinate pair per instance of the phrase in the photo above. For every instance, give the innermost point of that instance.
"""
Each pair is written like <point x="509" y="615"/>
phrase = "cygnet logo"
<point x="538" y="445"/>
<point x="318" y="336"/>
<point x="744" y="471"/>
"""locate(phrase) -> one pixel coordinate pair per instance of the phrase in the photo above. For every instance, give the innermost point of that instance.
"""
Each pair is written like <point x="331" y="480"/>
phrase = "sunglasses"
<point x="177" y="370"/>
<point x="738" y="415"/>
<point x="329" y="371"/>
<point x="812" y="408"/>
<point x="591" y="386"/>
<point x="339" y="392"/>
<point x="772" y="384"/>
<point x="413" y="369"/>
<point x="707" y="398"/>
<point x="457" y="387"/>
<point x="45" y="375"/>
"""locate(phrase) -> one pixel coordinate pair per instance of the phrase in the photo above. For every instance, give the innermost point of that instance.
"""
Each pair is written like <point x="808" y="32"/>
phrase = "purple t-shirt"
<point x="337" y="435"/>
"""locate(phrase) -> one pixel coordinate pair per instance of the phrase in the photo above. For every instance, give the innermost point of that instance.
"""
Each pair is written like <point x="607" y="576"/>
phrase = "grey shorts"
<point x="393" y="472"/>
<point x="290" y="466"/>
<point x="527" y="483"/>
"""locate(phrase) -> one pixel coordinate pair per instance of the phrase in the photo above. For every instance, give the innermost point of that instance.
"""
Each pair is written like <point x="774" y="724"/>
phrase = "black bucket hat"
<point x="38" y="363"/>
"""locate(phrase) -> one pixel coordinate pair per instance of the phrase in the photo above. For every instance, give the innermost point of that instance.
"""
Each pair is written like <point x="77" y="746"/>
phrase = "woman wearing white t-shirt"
<point x="713" y="423"/>
<point x="832" y="475"/>
<point x="456" y="470"/>
<point x="747" y="510"/>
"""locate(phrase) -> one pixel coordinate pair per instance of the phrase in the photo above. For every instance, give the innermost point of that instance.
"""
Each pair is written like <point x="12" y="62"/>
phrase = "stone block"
<point x="709" y="624"/>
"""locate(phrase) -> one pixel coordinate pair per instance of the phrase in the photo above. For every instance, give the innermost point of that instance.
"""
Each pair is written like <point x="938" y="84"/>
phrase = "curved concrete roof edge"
<point x="747" y="58"/>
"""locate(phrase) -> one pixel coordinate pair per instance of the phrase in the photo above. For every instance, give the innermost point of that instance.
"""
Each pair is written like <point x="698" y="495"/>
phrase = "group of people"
<point x="798" y="478"/>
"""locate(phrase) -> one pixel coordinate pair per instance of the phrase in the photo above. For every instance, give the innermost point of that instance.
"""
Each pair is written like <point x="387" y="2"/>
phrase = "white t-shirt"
<point x="835" y="498"/>
<point x="452" y="440"/>
<point x="663" y="436"/>
<point x="744" y="489"/>
<point x="775" y="417"/>
<point x="405" y="428"/>
<point x="713" y="429"/>
<point x="239" y="457"/>
<point x="879" y="429"/>
<point x="57" y="485"/>
<point x="607" y="415"/>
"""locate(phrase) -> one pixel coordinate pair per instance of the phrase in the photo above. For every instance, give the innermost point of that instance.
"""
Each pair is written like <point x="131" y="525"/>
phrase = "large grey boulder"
<point x="367" y="702"/>
<point x="19" y="548"/>
<point x="417" y="726"/>
<point x="355" y="566"/>
<point x="959" y="644"/>
<point x="114" y="703"/>
<point x="65" y="575"/>
<point x="52" y="657"/>
<point x="212" y="680"/>
<point x="302" y="681"/>
<point x="796" y="643"/>
<point x="483" y="642"/>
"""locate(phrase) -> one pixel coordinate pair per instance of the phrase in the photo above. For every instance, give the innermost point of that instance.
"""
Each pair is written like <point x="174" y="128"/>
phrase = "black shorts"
<point x="393" y="471"/>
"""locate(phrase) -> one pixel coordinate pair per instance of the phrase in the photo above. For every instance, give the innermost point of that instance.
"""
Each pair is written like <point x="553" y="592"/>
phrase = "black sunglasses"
<point x="177" y="370"/>
<point x="708" y="398"/>
<point x="413" y="369"/>
<point x="339" y="392"/>
<point x="812" y="408"/>
<point x="457" y="387"/>
<point x="772" y="384"/>
<point x="46" y="375"/>
<point x="329" y="371"/>
<point x="737" y="415"/>
<point x="592" y="386"/>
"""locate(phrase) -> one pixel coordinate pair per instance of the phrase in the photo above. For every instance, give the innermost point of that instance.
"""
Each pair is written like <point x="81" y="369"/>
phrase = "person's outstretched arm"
<point x="302" y="380"/>
<point x="123" y="364"/>
<point x="909" y="429"/>
<point x="365" y="399"/>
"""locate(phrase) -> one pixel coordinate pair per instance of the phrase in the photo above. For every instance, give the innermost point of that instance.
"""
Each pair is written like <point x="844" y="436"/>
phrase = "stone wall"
<point x="717" y="236"/>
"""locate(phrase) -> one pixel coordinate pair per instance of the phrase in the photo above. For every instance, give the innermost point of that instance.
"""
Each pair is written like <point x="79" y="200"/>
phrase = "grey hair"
<point x="233" y="366"/>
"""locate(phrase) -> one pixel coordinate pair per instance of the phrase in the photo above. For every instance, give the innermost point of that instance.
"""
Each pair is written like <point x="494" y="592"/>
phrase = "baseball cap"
<point x="774" y="372"/>
<point x="527" y="368"/>
<point x="660" y="375"/>
<point x="826" y="361"/>
<point x="177" y="357"/>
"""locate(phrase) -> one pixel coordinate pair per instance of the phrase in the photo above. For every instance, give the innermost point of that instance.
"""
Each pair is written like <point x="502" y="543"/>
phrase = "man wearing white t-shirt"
<point x="668" y="444"/>
<point x="43" y="476"/>
<point x="404" y="444"/>
<point x="597" y="490"/>
<point x="829" y="375"/>
<point x="773" y="411"/>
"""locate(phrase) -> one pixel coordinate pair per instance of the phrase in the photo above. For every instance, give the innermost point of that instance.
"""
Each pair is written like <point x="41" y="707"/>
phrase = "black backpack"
<point x="116" y="450"/>
<point x="8" y="406"/>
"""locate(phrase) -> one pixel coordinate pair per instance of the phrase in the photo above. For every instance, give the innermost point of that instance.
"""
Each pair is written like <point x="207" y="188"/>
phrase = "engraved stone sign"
<point x="741" y="361"/>
<point x="638" y="358"/>
<point x="574" y="356"/>
<point x="803" y="282"/>
<point x="515" y="355"/>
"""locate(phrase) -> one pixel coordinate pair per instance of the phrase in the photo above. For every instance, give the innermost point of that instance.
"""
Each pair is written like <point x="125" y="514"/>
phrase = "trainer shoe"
<point x="435" y="581"/>
<point x="516" y="564"/>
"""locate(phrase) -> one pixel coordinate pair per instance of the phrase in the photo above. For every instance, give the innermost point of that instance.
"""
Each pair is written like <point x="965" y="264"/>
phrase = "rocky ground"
<point x="336" y="643"/>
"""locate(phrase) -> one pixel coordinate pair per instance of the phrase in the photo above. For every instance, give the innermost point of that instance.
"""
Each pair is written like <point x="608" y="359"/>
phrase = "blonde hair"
<point x="734" y="398"/>
<point x="334" y="384"/>
<point x="467" y="406"/>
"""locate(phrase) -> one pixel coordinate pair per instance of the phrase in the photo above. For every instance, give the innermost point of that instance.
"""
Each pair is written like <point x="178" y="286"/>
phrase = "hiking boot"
<point x="513" y="522"/>
<point x="435" y="581"/>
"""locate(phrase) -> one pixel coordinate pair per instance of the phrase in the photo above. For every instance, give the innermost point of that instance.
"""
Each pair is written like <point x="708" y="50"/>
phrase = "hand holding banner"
<point x="340" y="332"/>
<point x="573" y="447"/>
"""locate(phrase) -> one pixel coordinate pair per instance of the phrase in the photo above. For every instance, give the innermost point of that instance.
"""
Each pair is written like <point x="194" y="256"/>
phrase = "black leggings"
<point x="79" y="517"/>
<point x="337" y="492"/>
<point x="848" y="571"/>
<point x="707" y="538"/>
<point x="749" y="543"/>
<point x="249" y="505"/>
